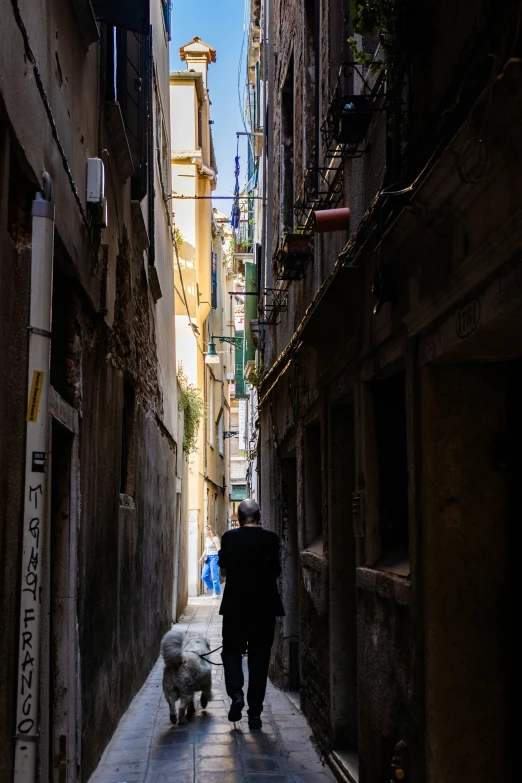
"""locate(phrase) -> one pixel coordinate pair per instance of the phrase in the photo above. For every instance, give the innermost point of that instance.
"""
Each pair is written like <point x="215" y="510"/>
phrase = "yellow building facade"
<point x="202" y="302"/>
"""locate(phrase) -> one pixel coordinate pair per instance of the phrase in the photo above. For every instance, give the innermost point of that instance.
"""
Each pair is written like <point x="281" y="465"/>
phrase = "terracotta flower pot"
<point x="296" y="244"/>
<point x="332" y="220"/>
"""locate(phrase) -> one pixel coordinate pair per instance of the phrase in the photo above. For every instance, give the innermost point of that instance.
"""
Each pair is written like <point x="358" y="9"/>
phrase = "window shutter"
<point x="131" y="15"/>
<point x="214" y="281"/>
<point x="133" y="94"/>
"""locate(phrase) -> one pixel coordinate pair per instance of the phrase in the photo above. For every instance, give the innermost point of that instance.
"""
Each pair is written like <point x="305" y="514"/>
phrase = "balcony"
<point x="292" y="256"/>
<point x="322" y="188"/>
<point x="275" y="302"/>
<point x="356" y="98"/>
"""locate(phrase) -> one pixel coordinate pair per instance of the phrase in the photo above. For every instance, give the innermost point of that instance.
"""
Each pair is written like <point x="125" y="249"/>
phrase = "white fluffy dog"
<point x="185" y="673"/>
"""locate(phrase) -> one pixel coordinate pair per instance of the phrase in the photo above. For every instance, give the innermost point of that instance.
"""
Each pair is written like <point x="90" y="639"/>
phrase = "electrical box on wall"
<point x="95" y="181"/>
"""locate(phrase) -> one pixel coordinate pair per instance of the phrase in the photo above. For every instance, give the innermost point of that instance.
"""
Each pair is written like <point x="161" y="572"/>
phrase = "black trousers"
<point x="254" y="635"/>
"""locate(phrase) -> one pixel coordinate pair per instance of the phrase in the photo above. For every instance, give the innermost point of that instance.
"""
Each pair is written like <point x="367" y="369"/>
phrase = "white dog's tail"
<point x="171" y="645"/>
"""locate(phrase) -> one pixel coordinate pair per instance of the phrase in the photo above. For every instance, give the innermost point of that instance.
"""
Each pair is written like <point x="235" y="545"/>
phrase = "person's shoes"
<point x="236" y="708"/>
<point x="254" y="722"/>
<point x="216" y="595"/>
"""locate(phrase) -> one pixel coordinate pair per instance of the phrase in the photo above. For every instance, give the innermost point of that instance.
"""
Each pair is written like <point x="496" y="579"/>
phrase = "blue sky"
<point x="220" y="24"/>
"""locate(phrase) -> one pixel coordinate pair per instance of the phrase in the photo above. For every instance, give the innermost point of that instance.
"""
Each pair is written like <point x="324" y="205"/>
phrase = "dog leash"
<point x="204" y="656"/>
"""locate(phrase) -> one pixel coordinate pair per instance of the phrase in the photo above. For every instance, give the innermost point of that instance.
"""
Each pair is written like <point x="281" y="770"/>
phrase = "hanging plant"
<point x="192" y="405"/>
<point x="178" y="238"/>
<point x="254" y="376"/>
<point x="389" y="19"/>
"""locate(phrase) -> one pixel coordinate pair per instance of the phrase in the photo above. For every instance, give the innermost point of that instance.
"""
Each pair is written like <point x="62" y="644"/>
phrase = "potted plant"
<point x="350" y="117"/>
<point x="293" y="255"/>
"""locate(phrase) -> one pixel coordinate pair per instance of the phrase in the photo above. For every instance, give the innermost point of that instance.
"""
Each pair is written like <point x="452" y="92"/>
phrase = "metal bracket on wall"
<point x="358" y="513"/>
<point x="275" y="302"/>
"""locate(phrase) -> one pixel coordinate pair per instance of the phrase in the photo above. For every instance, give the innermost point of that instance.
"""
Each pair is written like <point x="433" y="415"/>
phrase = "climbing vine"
<point x="178" y="238"/>
<point x="192" y="405"/>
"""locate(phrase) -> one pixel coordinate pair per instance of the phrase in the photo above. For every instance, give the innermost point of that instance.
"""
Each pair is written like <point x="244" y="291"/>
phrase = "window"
<point x="167" y="14"/>
<point x="162" y="143"/>
<point x="286" y="194"/>
<point x="221" y="439"/>
<point x="214" y="281"/>
<point x="313" y="488"/>
<point x="127" y="439"/>
<point x="128" y="81"/>
<point x="211" y="418"/>
<point x="339" y="32"/>
<point x="389" y="403"/>
<point x="311" y="93"/>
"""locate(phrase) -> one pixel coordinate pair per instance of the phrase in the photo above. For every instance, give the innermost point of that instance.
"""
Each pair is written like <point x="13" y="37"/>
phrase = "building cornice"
<point x="187" y="76"/>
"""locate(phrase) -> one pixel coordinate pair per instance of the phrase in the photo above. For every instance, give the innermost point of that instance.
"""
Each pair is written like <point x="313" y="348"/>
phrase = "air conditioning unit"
<point x="230" y="376"/>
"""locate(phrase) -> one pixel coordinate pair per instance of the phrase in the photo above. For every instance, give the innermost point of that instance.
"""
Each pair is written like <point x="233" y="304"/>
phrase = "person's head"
<point x="248" y="512"/>
<point x="210" y="532"/>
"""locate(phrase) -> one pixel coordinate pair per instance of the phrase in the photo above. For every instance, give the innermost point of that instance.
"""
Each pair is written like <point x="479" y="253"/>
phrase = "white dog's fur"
<point x="185" y="673"/>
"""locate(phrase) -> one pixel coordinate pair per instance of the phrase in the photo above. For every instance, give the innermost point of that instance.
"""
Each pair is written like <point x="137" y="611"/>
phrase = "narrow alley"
<point x="146" y="748"/>
<point x="261" y="353"/>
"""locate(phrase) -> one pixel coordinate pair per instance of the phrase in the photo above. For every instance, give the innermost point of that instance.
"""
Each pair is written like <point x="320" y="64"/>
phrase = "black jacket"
<point x="250" y="557"/>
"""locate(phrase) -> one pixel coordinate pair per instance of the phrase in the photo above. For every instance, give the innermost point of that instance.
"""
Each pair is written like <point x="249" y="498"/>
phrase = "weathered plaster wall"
<point x="449" y="266"/>
<point x="105" y="339"/>
<point x="126" y="555"/>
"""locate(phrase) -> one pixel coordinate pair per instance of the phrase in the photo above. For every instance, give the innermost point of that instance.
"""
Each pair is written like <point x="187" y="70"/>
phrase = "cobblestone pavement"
<point x="146" y="748"/>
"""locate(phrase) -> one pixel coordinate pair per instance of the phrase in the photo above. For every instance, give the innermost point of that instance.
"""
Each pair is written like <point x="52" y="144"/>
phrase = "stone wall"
<point x="391" y="327"/>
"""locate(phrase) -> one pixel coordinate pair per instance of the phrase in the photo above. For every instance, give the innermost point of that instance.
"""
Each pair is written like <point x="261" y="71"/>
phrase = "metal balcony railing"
<point x="322" y="188"/>
<point x="355" y="99"/>
<point x="274" y="302"/>
<point x="293" y="255"/>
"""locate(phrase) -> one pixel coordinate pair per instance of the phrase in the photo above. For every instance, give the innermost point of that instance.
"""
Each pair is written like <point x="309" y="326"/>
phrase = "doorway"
<point x="343" y="610"/>
<point x="471" y="476"/>
<point x="60" y="762"/>
<point x="290" y="574"/>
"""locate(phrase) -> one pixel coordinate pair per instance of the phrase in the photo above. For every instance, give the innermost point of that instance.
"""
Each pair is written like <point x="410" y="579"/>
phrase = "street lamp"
<point x="212" y="357"/>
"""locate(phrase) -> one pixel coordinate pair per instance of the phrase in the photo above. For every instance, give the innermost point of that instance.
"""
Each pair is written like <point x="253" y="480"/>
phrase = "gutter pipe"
<point x="36" y="484"/>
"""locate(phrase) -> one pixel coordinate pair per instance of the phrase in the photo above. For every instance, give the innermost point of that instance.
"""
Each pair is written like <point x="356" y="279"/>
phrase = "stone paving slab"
<point x="147" y="748"/>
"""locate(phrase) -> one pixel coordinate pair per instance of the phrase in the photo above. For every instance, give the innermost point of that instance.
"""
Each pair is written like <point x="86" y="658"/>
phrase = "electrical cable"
<point x="184" y="297"/>
<point x="47" y="106"/>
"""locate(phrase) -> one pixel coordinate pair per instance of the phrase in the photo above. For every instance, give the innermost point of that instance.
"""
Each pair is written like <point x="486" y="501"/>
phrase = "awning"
<point x="131" y="15"/>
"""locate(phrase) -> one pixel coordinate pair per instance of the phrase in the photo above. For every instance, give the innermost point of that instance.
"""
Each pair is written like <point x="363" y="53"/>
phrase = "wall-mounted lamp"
<point x="211" y="357"/>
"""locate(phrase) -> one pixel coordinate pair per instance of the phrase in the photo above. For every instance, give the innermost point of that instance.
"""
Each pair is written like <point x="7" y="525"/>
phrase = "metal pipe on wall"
<point x="36" y="485"/>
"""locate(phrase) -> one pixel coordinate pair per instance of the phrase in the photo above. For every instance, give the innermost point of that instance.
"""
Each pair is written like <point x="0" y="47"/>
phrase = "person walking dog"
<point x="250" y="556"/>
<point x="210" y="570"/>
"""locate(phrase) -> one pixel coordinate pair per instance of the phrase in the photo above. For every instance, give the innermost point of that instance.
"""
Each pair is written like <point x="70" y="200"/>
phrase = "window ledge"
<point x="346" y="764"/>
<point x="384" y="584"/>
<point x="314" y="561"/>
<point x="126" y="501"/>
<point x="120" y="143"/>
<point x="139" y="224"/>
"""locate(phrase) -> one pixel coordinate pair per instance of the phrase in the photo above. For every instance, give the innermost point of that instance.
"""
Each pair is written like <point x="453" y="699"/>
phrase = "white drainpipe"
<point x="36" y="480"/>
